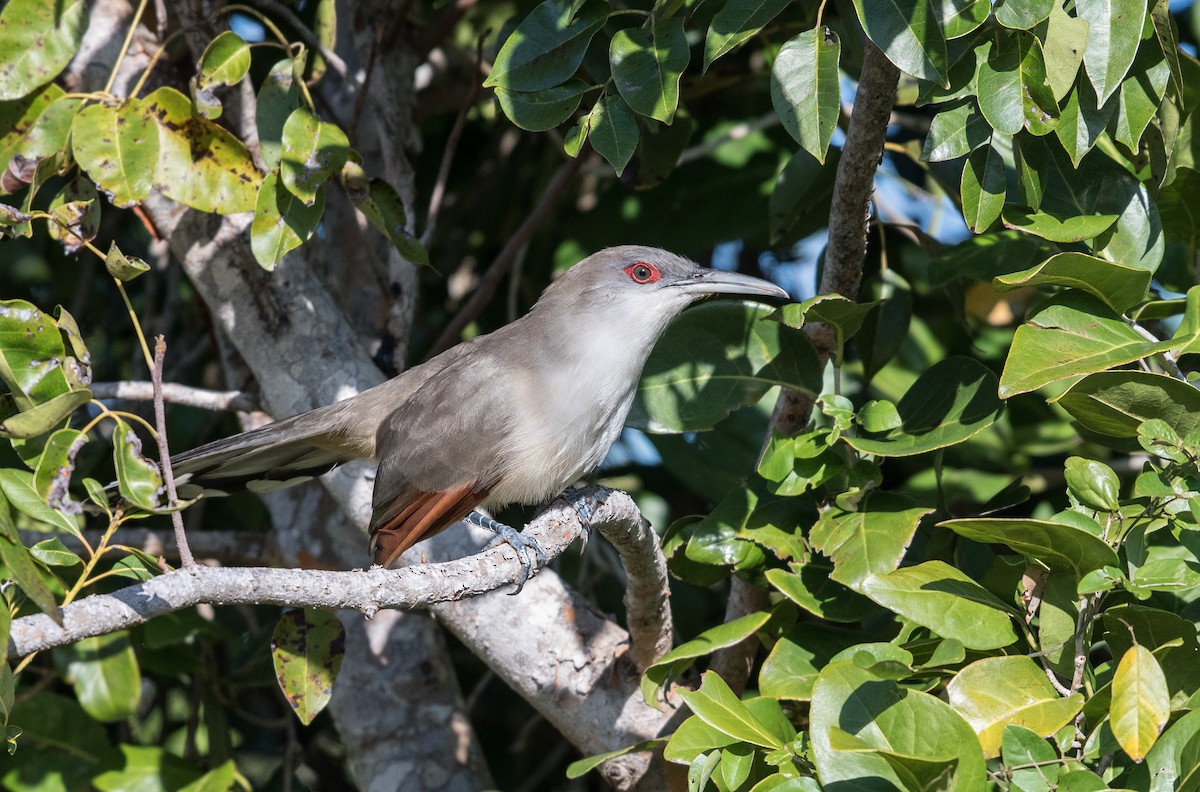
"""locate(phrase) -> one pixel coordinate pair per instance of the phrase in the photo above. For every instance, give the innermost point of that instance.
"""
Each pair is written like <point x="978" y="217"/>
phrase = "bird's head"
<point x="645" y="284"/>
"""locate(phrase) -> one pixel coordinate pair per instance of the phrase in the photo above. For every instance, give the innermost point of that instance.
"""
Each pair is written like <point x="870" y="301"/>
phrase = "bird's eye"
<point x="641" y="272"/>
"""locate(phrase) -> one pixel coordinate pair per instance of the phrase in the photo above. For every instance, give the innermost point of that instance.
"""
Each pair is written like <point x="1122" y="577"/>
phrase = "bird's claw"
<point x="518" y="541"/>
<point x="575" y="498"/>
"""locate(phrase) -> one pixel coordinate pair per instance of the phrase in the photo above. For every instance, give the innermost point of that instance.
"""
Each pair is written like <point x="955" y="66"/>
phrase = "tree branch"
<point x="133" y="390"/>
<point x="849" y="215"/>
<point x="647" y="588"/>
<point x="416" y="586"/>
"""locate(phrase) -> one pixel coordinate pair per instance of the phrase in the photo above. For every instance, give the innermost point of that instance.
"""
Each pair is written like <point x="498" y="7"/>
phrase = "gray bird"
<point x="515" y="416"/>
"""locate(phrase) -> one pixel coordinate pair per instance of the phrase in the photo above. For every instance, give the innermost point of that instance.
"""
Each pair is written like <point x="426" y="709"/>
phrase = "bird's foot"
<point x="575" y="498"/>
<point x="519" y="542"/>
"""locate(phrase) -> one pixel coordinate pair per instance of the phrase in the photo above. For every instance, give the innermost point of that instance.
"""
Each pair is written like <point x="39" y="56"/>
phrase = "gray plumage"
<point x="514" y="416"/>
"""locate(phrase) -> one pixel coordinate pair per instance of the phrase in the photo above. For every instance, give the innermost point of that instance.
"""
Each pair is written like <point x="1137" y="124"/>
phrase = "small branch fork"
<point x="416" y="586"/>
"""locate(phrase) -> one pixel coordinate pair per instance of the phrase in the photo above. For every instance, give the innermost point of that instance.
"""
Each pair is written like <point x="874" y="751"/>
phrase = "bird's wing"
<point x="439" y="454"/>
<point x="273" y="456"/>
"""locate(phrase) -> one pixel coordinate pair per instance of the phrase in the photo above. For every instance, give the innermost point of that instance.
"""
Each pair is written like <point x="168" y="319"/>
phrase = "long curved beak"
<point x="711" y="281"/>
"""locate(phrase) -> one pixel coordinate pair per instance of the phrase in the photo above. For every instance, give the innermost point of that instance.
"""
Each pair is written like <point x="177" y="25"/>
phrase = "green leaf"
<point x="717" y="357"/>
<point x="983" y="188"/>
<point x="225" y="61"/>
<point x="31" y="354"/>
<point x="1060" y="547"/>
<point x="1138" y="97"/>
<point x="1033" y="762"/>
<point x="38" y="420"/>
<point x="1094" y="484"/>
<point x="1023" y="14"/>
<point x="277" y="98"/>
<point x="1120" y="287"/>
<point x="74" y="214"/>
<point x="281" y="221"/>
<point x="37" y="41"/>
<point x="872" y="539"/>
<point x="145" y="769"/>
<point x="200" y="164"/>
<point x="1073" y="333"/>
<point x="813" y="589"/>
<point x="896" y="730"/>
<point x="138" y="479"/>
<point x="935" y="595"/>
<point x="1117" y="402"/>
<point x="538" y="111"/>
<point x="948" y="404"/>
<point x="1064" y="42"/>
<point x="221" y="778"/>
<point x="719" y="707"/>
<point x="52" y="552"/>
<point x="19" y="117"/>
<point x="802" y="196"/>
<point x="915" y="770"/>
<point x="104" y="673"/>
<point x="124" y="268"/>
<point x="996" y="692"/>
<point x="960" y="17"/>
<point x="999" y="80"/>
<point x="17" y="486"/>
<point x="1140" y="702"/>
<point x="1115" y="28"/>
<point x="692" y="738"/>
<point x="955" y="132"/>
<point x="805" y="91"/>
<point x="614" y="133"/>
<point x="675" y="661"/>
<point x="581" y="767"/>
<point x="381" y="205"/>
<point x="1082" y="121"/>
<point x="56" y="464"/>
<point x="909" y="34"/>
<point x="844" y="316"/>
<point x="791" y="668"/>
<point x="307" y="648"/>
<point x="313" y="151"/>
<point x="20" y="567"/>
<point x="1057" y="227"/>
<point x="547" y="47"/>
<point x="737" y="21"/>
<point x="1038" y="103"/>
<point x="647" y="64"/>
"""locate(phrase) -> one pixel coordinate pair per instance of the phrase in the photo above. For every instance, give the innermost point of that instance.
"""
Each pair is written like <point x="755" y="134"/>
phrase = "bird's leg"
<point x="515" y="539"/>
<point x="574" y="497"/>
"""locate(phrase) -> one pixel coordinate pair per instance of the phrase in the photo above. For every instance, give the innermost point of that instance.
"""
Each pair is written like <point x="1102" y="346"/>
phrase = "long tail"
<point x="277" y="455"/>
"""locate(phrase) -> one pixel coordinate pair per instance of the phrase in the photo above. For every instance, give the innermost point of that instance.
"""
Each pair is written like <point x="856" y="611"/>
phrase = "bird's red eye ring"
<point x="641" y="272"/>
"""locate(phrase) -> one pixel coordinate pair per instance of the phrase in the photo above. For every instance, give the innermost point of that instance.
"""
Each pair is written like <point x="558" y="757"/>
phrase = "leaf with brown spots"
<point x="307" y="649"/>
<point x="200" y="164"/>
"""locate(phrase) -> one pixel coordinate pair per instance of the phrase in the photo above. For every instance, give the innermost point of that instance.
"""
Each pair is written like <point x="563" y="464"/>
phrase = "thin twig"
<point x="1167" y="357"/>
<point x="310" y="38"/>
<point x="139" y="390"/>
<point x="164" y="455"/>
<point x="460" y="122"/>
<point x="360" y="101"/>
<point x="507" y="256"/>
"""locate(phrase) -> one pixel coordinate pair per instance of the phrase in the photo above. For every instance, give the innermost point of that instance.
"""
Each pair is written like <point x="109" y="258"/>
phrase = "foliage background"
<point x="1062" y="641"/>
